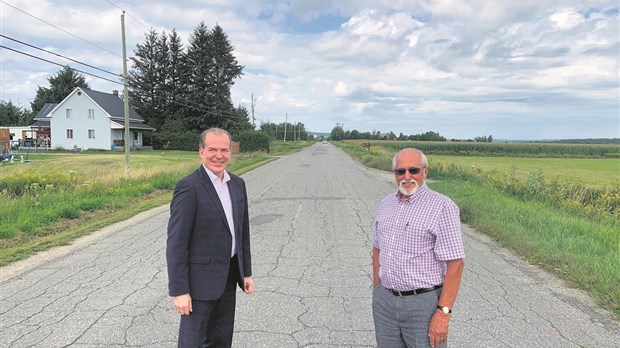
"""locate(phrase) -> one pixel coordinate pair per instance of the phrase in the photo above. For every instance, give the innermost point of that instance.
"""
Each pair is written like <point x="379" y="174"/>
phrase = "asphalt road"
<point x="310" y="216"/>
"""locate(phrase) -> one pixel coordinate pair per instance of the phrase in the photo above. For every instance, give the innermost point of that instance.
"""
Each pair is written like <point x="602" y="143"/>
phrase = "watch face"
<point x="445" y="310"/>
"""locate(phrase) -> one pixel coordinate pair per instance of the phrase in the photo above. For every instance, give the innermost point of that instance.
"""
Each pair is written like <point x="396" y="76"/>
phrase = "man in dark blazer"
<point x="208" y="248"/>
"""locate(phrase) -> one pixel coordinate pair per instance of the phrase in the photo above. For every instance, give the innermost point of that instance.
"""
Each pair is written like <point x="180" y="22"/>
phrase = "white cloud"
<point x="566" y="19"/>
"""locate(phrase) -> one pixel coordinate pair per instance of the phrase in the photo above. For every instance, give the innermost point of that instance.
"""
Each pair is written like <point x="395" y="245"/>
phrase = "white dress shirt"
<point x="221" y="187"/>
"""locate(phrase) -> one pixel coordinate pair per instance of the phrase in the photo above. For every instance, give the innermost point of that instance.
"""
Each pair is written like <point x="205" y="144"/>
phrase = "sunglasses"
<point x="412" y="171"/>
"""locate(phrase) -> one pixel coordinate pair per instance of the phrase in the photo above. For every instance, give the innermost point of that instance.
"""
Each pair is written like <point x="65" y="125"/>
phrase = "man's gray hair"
<point x="216" y="131"/>
<point x="410" y="149"/>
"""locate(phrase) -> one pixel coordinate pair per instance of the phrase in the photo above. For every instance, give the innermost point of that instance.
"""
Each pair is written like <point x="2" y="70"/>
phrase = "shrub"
<point x="250" y="141"/>
<point x="186" y="141"/>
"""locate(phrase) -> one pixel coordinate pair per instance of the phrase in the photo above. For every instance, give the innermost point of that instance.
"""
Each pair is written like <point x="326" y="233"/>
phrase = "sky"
<point x="513" y="69"/>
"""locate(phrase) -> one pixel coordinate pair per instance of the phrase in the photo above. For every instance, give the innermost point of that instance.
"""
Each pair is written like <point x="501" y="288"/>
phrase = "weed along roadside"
<point x="59" y="196"/>
<point x="553" y="216"/>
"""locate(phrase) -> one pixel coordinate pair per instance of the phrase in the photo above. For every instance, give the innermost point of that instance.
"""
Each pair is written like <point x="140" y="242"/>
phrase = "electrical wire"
<point x="134" y="18"/>
<point x="50" y="24"/>
<point x="59" y="55"/>
<point x="49" y="61"/>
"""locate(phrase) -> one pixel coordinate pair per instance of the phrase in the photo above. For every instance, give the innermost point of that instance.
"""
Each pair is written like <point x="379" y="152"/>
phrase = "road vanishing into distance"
<point x="310" y="216"/>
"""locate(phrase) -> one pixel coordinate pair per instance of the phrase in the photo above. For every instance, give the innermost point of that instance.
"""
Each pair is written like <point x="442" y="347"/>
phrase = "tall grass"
<point x="580" y="250"/>
<point x="30" y="202"/>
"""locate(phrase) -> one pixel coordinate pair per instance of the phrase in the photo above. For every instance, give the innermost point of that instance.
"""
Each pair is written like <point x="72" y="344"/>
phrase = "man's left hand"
<point x="438" y="329"/>
<point x="248" y="285"/>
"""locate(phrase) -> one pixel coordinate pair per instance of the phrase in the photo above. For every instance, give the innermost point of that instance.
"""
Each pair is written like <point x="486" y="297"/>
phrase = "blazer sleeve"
<point x="247" y="256"/>
<point x="180" y="227"/>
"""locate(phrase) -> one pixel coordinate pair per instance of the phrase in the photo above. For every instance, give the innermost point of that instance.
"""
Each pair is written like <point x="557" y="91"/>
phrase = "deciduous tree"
<point x="13" y="115"/>
<point x="61" y="84"/>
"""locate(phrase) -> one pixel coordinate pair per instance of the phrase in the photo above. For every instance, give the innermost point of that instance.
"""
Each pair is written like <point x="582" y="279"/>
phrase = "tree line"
<point x="338" y="133"/>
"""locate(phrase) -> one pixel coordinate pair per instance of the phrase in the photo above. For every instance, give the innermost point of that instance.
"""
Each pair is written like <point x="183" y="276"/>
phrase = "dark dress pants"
<point x="211" y="323"/>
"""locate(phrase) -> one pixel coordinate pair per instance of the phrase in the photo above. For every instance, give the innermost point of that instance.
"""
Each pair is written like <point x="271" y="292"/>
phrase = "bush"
<point x="186" y="141"/>
<point x="250" y="141"/>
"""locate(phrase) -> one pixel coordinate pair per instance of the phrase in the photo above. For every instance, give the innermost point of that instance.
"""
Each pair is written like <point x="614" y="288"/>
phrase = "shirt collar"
<point x="214" y="178"/>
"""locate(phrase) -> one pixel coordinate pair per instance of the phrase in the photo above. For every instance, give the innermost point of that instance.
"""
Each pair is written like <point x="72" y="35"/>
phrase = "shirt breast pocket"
<point x="417" y="240"/>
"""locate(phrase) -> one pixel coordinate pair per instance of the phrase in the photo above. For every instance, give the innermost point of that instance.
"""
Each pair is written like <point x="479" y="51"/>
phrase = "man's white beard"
<point x="406" y="192"/>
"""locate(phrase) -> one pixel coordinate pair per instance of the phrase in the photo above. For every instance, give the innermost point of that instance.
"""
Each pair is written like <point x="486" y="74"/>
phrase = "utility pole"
<point x="125" y="94"/>
<point x="285" y="121"/>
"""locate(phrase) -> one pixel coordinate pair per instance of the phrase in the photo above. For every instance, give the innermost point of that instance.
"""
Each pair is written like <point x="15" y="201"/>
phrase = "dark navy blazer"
<point x="199" y="238"/>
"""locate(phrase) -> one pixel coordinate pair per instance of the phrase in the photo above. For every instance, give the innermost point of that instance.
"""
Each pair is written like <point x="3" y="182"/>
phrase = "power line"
<point x="49" y="61"/>
<point x="134" y="18"/>
<point x="50" y="24"/>
<point x="59" y="55"/>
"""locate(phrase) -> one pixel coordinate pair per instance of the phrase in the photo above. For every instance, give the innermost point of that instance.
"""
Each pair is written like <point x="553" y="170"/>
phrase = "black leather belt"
<point x="414" y="292"/>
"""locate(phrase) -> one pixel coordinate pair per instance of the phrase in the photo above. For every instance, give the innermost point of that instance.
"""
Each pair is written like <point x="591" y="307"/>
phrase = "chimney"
<point x="115" y="92"/>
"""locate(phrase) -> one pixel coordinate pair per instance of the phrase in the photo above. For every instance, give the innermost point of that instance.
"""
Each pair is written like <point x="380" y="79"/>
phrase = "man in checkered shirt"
<point x="417" y="259"/>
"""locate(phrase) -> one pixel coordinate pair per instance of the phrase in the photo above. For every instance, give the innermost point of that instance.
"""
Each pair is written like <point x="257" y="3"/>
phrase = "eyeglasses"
<point x="412" y="171"/>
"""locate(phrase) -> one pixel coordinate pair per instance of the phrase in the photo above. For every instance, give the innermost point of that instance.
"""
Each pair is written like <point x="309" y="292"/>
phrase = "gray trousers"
<point x="402" y="322"/>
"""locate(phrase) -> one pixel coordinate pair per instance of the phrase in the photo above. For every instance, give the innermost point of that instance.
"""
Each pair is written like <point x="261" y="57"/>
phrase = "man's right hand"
<point x="182" y="304"/>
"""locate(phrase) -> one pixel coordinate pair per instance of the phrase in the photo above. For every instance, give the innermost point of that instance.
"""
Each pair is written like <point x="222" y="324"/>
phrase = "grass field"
<point x="590" y="172"/>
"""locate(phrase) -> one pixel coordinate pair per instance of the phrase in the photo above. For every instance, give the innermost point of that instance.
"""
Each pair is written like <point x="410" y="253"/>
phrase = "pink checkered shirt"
<point x="415" y="238"/>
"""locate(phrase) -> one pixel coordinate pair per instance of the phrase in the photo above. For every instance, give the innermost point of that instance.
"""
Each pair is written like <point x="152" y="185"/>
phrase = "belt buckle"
<point x="398" y="293"/>
<point x="415" y="292"/>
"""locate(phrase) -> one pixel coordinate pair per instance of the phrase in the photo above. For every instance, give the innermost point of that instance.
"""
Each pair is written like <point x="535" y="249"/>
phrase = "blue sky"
<point x="514" y="69"/>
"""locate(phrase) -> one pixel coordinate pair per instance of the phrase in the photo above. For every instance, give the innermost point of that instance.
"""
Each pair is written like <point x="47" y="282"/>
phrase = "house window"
<point x="68" y="113"/>
<point x="91" y="134"/>
<point x="135" y="136"/>
<point x="69" y="133"/>
<point x="91" y="114"/>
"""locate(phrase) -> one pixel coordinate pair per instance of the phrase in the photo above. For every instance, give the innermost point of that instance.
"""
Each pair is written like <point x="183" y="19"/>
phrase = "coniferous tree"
<point x="224" y="72"/>
<point x="178" y="90"/>
<point x="239" y="121"/>
<point x="212" y="70"/>
<point x="200" y="115"/>
<point x="176" y="80"/>
<point x="61" y="84"/>
<point x="144" y="79"/>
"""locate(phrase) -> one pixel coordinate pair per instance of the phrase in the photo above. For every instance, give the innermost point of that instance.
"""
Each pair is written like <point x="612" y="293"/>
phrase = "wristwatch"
<point x="446" y="310"/>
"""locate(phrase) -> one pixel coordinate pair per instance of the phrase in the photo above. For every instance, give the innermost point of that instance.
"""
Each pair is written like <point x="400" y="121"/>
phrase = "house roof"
<point x="45" y="110"/>
<point x="112" y="104"/>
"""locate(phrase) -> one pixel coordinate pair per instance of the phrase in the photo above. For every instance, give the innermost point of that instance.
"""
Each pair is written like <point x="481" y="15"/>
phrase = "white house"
<point x="90" y="119"/>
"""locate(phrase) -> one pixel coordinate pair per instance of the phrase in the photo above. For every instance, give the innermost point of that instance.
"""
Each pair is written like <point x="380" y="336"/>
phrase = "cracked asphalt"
<point x="310" y="216"/>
